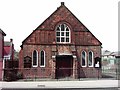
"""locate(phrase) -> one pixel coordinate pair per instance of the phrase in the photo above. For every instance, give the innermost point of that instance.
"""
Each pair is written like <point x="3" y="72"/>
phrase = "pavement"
<point x="62" y="84"/>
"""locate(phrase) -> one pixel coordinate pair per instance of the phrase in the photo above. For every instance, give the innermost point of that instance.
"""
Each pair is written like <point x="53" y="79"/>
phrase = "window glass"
<point x="67" y="29"/>
<point x="90" y="58"/>
<point x="83" y="58"/>
<point x="67" y="33"/>
<point x="34" y="58"/>
<point x="62" y="27"/>
<point x="67" y="39"/>
<point x="62" y="39"/>
<point x="42" y="62"/>
<point x="58" y="39"/>
<point x="62" y="33"/>
<point x="58" y="29"/>
<point x="58" y="33"/>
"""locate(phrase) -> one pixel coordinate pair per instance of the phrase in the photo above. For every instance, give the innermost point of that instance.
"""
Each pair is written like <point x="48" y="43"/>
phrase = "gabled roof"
<point x="62" y="14"/>
<point x="7" y="50"/>
<point x="8" y="46"/>
<point x="59" y="15"/>
<point x="2" y="32"/>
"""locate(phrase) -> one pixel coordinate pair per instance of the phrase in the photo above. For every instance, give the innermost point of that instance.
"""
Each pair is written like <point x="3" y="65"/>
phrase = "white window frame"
<point x="36" y="61"/>
<point x="92" y="59"/>
<point x="85" y="59"/>
<point x="66" y="26"/>
<point x="40" y="59"/>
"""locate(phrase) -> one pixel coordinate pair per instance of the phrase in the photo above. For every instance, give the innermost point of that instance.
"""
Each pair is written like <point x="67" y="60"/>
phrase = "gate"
<point x="10" y="71"/>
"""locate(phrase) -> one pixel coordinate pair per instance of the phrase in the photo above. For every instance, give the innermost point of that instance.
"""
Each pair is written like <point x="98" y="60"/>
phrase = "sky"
<point x="18" y="18"/>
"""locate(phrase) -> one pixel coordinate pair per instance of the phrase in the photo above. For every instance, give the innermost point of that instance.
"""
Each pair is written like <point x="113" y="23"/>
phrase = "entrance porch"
<point x="64" y="66"/>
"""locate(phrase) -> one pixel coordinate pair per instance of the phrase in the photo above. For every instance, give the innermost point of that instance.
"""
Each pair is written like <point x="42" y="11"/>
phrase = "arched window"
<point x="42" y="58"/>
<point x="62" y="34"/>
<point x="90" y="59"/>
<point x="35" y="58"/>
<point x="83" y="59"/>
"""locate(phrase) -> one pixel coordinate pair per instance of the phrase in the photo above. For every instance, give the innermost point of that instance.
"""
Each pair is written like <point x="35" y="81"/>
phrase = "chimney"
<point x="62" y="3"/>
<point x="11" y="40"/>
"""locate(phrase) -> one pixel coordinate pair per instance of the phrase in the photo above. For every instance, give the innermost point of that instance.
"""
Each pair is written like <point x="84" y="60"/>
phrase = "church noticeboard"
<point x="97" y="63"/>
<point x="27" y="62"/>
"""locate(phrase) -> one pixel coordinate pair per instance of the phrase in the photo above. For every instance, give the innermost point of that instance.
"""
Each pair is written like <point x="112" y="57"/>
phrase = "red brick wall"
<point x="48" y="37"/>
<point x="88" y="71"/>
<point x="1" y="46"/>
<point x="21" y="58"/>
<point x="27" y="51"/>
<point x="1" y="54"/>
<point x="43" y="38"/>
<point x="1" y="65"/>
<point x="46" y="71"/>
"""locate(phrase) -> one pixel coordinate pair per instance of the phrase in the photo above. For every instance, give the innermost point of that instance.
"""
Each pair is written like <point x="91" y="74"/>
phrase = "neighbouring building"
<point x="6" y="55"/>
<point x="9" y="50"/>
<point x="2" y="34"/>
<point x="61" y="46"/>
<point x="8" y="60"/>
<point x="110" y="59"/>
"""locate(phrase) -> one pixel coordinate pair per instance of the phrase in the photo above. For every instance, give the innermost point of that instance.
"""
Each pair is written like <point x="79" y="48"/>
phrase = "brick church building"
<point x="60" y="47"/>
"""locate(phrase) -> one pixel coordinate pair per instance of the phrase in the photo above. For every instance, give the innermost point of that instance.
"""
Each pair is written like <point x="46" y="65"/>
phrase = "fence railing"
<point x="111" y="73"/>
<point x="33" y="74"/>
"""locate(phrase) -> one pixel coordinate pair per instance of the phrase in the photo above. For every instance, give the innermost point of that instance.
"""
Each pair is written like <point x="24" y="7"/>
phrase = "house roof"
<point x="7" y="50"/>
<point x="106" y="53"/>
<point x="2" y="32"/>
<point x="116" y="53"/>
<point x="109" y="53"/>
<point x="8" y="45"/>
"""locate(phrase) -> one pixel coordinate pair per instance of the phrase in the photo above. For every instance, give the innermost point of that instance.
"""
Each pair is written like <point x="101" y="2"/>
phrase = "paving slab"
<point x="61" y="84"/>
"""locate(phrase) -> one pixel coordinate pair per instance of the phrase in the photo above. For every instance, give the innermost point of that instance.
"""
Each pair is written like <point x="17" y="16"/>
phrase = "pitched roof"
<point x="2" y="32"/>
<point x="106" y="53"/>
<point x="7" y="50"/>
<point x="116" y="53"/>
<point x="62" y="14"/>
<point x="8" y="47"/>
<point x="109" y="53"/>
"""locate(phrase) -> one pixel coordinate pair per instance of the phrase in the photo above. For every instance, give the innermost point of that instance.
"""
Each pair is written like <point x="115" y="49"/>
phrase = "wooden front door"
<point x="64" y="66"/>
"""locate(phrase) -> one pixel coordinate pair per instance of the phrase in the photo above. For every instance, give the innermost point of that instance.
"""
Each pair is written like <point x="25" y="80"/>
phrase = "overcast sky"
<point x="18" y="18"/>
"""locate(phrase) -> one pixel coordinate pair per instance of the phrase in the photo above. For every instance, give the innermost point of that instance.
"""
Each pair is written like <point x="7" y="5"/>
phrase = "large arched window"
<point x="42" y="58"/>
<point x="83" y="59"/>
<point x="35" y="58"/>
<point x="62" y="34"/>
<point x="90" y="59"/>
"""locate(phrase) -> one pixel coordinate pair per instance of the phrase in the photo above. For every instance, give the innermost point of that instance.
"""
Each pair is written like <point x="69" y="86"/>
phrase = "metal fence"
<point x="110" y="74"/>
<point x="44" y="74"/>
